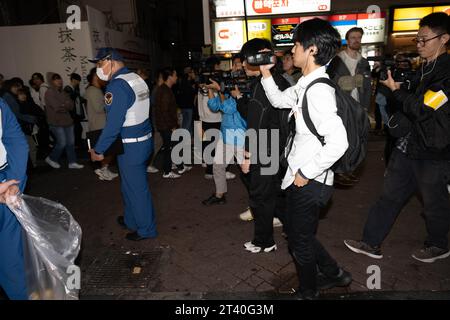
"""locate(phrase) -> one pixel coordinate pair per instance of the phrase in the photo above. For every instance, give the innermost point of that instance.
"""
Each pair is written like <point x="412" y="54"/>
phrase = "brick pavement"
<point x="203" y="246"/>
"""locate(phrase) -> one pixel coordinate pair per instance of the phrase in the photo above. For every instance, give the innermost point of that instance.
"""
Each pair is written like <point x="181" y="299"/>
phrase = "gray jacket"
<point x="338" y="69"/>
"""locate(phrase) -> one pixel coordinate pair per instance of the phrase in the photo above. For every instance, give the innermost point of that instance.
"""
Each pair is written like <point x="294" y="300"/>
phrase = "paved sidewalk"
<point x="199" y="253"/>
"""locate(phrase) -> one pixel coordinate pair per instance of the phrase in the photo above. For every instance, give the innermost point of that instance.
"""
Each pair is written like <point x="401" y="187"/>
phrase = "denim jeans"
<point x="65" y="139"/>
<point x="187" y="121"/>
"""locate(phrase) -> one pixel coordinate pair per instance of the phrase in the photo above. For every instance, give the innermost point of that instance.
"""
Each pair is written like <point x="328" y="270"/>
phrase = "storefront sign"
<point x="259" y="29"/>
<point x="229" y="35"/>
<point x="235" y="8"/>
<point x="269" y="7"/>
<point x="374" y="27"/>
<point x="283" y="31"/>
<point x="407" y="19"/>
<point x="229" y="8"/>
<point x="343" y="23"/>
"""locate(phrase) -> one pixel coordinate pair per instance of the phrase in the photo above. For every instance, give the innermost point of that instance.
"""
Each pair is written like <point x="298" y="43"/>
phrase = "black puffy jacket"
<point x="430" y="134"/>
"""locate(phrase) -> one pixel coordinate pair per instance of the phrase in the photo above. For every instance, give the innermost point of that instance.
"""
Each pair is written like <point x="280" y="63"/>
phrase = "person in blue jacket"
<point x="13" y="167"/>
<point x="231" y="144"/>
<point x="127" y="100"/>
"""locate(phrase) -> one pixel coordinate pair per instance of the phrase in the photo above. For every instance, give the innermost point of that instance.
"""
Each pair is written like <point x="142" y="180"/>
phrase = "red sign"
<point x="262" y="7"/>
<point x="223" y="34"/>
<point x="343" y="17"/>
<point x="376" y="15"/>
<point x="285" y="21"/>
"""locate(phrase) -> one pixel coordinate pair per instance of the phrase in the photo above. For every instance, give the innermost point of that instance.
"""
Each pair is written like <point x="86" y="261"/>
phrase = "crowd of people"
<point x="128" y="112"/>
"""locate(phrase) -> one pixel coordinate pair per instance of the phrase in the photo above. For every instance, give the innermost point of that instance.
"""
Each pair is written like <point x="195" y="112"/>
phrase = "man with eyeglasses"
<point x="421" y="160"/>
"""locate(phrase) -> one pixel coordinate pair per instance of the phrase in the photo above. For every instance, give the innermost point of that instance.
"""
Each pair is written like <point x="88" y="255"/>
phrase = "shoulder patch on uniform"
<point x="109" y="98"/>
<point x="435" y="100"/>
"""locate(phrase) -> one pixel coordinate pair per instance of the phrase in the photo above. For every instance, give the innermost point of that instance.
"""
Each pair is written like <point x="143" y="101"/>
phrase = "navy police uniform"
<point x="13" y="166"/>
<point x="127" y="101"/>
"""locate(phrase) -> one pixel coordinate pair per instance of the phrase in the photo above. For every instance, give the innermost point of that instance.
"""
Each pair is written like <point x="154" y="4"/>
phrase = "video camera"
<point x="399" y="74"/>
<point x="227" y="80"/>
<point x="261" y="58"/>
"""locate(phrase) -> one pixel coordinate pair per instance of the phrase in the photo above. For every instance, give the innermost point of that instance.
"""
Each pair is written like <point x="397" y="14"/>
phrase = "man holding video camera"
<point x="264" y="190"/>
<point x="421" y="159"/>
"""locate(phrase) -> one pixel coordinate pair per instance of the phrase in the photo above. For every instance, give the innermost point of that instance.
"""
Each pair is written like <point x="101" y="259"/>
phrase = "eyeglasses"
<point x="422" y="41"/>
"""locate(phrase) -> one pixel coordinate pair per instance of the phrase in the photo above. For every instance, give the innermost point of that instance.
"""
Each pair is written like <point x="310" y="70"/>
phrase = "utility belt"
<point x="140" y="139"/>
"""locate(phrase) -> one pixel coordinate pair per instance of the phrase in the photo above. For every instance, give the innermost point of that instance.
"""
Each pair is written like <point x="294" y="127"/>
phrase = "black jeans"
<point x="264" y="201"/>
<point x="166" y="150"/>
<point x="403" y="178"/>
<point x="302" y="221"/>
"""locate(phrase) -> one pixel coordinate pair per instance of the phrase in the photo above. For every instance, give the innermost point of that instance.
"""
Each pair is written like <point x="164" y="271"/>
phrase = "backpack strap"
<point x="305" y="111"/>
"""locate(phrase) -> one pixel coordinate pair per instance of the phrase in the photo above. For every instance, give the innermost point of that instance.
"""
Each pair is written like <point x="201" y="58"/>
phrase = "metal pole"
<point x="246" y="20"/>
<point x="206" y="23"/>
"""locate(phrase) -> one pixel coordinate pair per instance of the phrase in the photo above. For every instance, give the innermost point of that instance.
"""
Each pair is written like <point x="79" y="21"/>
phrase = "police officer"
<point x="13" y="167"/>
<point x="127" y="102"/>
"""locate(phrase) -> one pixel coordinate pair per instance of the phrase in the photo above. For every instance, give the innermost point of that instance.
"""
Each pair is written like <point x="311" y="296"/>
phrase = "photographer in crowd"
<point x="264" y="189"/>
<point x="233" y="129"/>
<point x="421" y="159"/>
<point x="309" y="180"/>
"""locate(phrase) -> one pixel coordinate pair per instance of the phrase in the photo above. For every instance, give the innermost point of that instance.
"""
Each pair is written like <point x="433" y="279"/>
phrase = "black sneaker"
<point x="343" y="279"/>
<point x="134" y="236"/>
<point x="430" y="254"/>
<point x="307" y="295"/>
<point x="213" y="200"/>
<point x="364" y="248"/>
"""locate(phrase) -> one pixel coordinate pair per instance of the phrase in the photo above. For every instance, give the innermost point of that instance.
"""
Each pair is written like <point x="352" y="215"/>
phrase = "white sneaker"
<point x="448" y="187"/>
<point x="209" y="176"/>
<point x="204" y="165"/>
<point x="230" y="175"/>
<point x="277" y="223"/>
<point x="111" y="174"/>
<point x="171" y="175"/>
<point x="152" y="169"/>
<point x="75" y="166"/>
<point x="184" y="170"/>
<point x="102" y="175"/>
<point x="246" y="216"/>
<point x="53" y="164"/>
<point x="248" y="245"/>
<point x="174" y="166"/>
<point x="255" y="249"/>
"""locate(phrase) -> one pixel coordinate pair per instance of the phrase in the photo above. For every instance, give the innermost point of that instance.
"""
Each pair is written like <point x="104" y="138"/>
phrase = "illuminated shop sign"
<point x="407" y="19"/>
<point x="235" y="8"/>
<point x="229" y="35"/>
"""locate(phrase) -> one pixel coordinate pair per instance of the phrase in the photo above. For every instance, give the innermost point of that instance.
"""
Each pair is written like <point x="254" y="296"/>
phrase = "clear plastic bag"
<point x="52" y="241"/>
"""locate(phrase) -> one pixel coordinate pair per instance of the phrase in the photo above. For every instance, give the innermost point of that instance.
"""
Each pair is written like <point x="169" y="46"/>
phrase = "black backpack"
<point x="356" y="123"/>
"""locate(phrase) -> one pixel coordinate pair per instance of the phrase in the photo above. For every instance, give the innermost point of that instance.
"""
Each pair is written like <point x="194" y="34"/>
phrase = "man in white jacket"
<point x="309" y="180"/>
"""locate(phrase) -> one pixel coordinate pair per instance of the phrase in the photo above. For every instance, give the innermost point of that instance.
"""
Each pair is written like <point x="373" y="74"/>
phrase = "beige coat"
<point x="95" y="108"/>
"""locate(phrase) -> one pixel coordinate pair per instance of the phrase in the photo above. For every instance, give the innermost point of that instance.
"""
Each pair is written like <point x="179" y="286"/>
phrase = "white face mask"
<point x="102" y="75"/>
